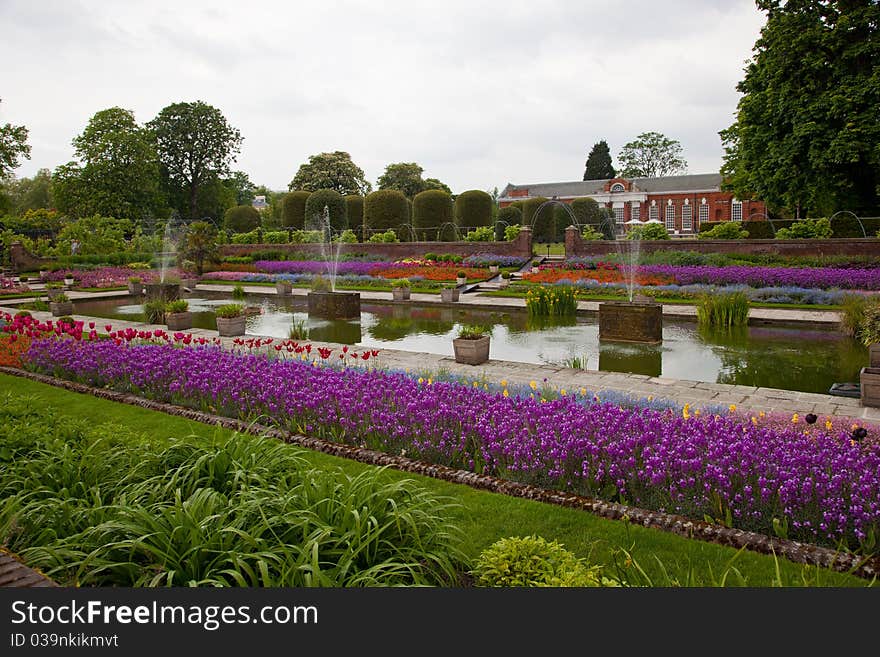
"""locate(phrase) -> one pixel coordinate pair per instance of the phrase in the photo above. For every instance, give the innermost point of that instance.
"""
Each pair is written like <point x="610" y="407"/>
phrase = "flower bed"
<point x="486" y="259"/>
<point x="446" y="271"/>
<point x="354" y="267"/>
<point x="103" y="277"/>
<point x="813" y="484"/>
<point x="9" y="286"/>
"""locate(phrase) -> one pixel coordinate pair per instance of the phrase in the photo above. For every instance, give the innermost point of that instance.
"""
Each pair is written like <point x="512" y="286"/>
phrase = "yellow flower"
<point x="533" y="385"/>
<point x="421" y="380"/>
<point x="503" y="383"/>
<point x="562" y="392"/>
<point x="732" y="408"/>
<point x="761" y="414"/>
<point x="794" y="418"/>
<point x="650" y="397"/>
<point x="685" y="412"/>
<point x="697" y="412"/>
<point x="476" y="384"/>
<point x="543" y="401"/>
<point x="583" y="392"/>
<point x="754" y="420"/>
<point x="828" y="425"/>
<point x="430" y="381"/>
<point x="505" y="393"/>
<point x="854" y="427"/>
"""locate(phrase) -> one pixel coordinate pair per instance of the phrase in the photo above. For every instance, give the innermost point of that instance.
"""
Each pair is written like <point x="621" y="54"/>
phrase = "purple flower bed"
<point x="354" y="267"/>
<point x="822" y="485"/>
<point x="103" y="276"/>
<point x="485" y="259"/>
<point x="804" y="277"/>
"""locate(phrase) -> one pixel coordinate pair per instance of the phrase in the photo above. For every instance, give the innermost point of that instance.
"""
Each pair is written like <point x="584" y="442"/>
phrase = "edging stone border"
<point x="795" y="551"/>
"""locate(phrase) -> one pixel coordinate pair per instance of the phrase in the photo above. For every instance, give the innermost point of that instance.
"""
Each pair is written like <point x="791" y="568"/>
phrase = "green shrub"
<point x="321" y="284"/>
<point x="242" y="219"/>
<point x="532" y="561"/>
<point x="591" y="234"/>
<point x="293" y="210"/>
<point x="400" y="282"/>
<point x="509" y="216"/>
<point x="61" y="298"/>
<point x="387" y="236"/>
<point x="238" y="292"/>
<point x="276" y="237"/>
<point x="588" y="211"/>
<point x="806" y="229"/>
<point x="551" y="301"/>
<point x="544" y="226"/>
<point x="252" y="237"/>
<point x="481" y="234"/>
<point x="430" y="210"/>
<point x="305" y="237"/>
<point x="177" y="306"/>
<point x="757" y="230"/>
<point x="385" y="209"/>
<point x="335" y="204"/>
<point x="511" y="232"/>
<point x="229" y="311"/>
<point x="724" y="230"/>
<point x="846" y="225"/>
<point x="354" y="208"/>
<point x="724" y="310"/>
<point x="648" y="232"/>
<point x="154" y="311"/>
<point x="473" y="208"/>
<point x="869" y="331"/>
<point x="347" y="236"/>
<point x="474" y="331"/>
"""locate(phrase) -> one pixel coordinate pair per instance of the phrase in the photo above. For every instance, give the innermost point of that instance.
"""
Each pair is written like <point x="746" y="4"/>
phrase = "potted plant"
<point x="869" y="332"/>
<point x="460" y="277"/>
<point x="230" y="320"/>
<point x="154" y="311"/>
<point x="177" y="315"/>
<point x="400" y="289"/>
<point x="472" y="345"/>
<point x="283" y="287"/>
<point x="535" y="264"/>
<point x="449" y="293"/>
<point x="505" y="280"/>
<point x="493" y="267"/>
<point x="135" y="285"/>
<point x="53" y="289"/>
<point x="68" y="281"/>
<point x="61" y="305"/>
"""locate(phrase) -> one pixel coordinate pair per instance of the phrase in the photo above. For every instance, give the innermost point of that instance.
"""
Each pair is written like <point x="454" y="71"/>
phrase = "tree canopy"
<point x="651" y="155"/>
<point x="598" y="166"/>
<point x="13" y="147"/>
<point x="196" y="145"/>
<point x="406" y="177"/>
<point x="807" y="136"/>
<point x="334" y="171"/>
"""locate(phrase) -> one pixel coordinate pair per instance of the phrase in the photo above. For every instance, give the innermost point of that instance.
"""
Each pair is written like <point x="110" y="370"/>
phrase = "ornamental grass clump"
<point x="555" y="301"/>
<point x="238" y="292"/>
<point x="229" y="311"/>
<point x="154" y="311"/>
<point x="177" y="306"/>
<point x="723" y="310"/>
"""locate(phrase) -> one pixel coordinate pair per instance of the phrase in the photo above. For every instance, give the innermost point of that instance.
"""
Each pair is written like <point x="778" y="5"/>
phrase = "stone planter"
<point x="136" y="288"/>
<point x="624" y="321"/>
<point x="535" y="270"/>
<point x="471" y="351"/>
<point x="460" y="281"/>
<point x="493" y="269"/>
<point x="874" y="354"/>
<point x="869" y="378"/>
<point x="68" y="283"/>
<point x="61" y="308"/>
<point x="162" y="291"/>
<point x="231" y="326"/>
<point x="283" y="288"/>
<point x="53" y="292"/>
<point x="504" y="282"/>
<point x="179" y="321"/>
<point x="449" y="294"/>
<point x="334" y="305"/>
<point x="400" y="293"/>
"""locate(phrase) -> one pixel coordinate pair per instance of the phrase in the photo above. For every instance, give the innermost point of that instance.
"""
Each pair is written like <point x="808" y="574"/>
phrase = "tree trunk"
<point x="193" y="201"/>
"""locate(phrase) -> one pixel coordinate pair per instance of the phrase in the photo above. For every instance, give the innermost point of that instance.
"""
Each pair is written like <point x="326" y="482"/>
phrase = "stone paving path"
<point x="696" y="393"/>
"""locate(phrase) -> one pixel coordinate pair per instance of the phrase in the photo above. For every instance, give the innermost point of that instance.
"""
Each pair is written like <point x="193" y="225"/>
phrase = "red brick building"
<point x="681" y="203"/>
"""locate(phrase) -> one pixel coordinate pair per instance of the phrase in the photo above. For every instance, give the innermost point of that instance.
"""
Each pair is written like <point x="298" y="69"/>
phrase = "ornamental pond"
<point x="774" y="356"/>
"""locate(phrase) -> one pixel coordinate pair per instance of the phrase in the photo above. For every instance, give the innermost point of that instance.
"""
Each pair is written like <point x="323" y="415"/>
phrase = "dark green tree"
<point x="335" y="204"/>
<point x="651" y="155"/>
<point x="354" y="208"/>
<point x="30" y="193"/>
<point x="293" y="209"/>
<point x="13" y="147"/>
<point x="433" y="183"/>
<point x="507" y="216"/>
<point x="431" y="209"/>
<point x="240" y="185"/>
<point x="598" y="165"/>
<point x="196" y="145"/>
<point x="473" y="208"/>
<point x="200" y="244"/>
<point x="543" y="223"/>
<point x="406" y="177"/>
<point x="807" y="134"/>
<point x="385" y="209"/>
<point x="334" y="171"/>
<point x="241" y="219"/>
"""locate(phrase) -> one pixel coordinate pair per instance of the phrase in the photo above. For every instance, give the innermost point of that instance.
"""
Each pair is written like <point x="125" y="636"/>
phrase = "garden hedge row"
<point x="844" y="226"/>
<point x="430" y="209"/>
<point x="293" y="209"/>
<point x="473" y="208"/>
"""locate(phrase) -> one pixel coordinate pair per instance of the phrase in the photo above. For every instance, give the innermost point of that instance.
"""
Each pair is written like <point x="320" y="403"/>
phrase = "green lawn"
<point x="486" y="517"/>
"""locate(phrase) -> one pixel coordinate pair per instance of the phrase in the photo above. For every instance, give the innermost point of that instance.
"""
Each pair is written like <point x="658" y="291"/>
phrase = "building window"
<point x="617" y="187"/>
<point x="654" y="212"/>
<point x="704" y="211"/>
<point x="670" y="217"/>
<point x="636" y="211"/>
<point x="686" y="222"/>
<point x="736" y="211"/>
<point x="618" y="215"/>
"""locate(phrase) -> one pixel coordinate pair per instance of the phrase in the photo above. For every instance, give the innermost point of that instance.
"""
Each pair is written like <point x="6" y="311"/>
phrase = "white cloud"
<point x="479" y="94"/>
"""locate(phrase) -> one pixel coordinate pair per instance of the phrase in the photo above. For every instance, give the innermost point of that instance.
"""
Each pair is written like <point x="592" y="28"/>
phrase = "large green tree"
<point x="598" y="166"/>
<point x="334" y="171"/>
<point x="196" y="146"/>
<point x="651" y="155"/>
<point x="807" y="133"/>
<point x="406" y="177"/>
<point x="117" y="172"/>
<point x="13" y="147"/>
<point x="29" y="193"/>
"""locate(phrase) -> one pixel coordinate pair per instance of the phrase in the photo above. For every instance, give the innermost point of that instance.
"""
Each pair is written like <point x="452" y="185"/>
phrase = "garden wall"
<point x="520" y="247"/>
<point x="22" y="260"/>
<point x="576" y="246"/>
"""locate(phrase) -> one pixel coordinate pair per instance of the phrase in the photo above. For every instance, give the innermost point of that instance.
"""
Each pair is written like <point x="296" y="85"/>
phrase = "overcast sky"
<point x="478" y="93"/>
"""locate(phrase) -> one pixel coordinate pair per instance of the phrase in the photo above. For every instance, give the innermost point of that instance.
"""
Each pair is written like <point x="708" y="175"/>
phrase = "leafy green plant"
<point x="512" y="232"/>
<point x="533" y="561"/>
<point x="387" y="236"/>
<point x="481" y="234"/>
<point x="320" y="284"/>
<point x="298" y="330"/>
<point x="724" y="310"/>
<point x="806" y="229"/>
<point x="400" y="282"/>
<point x="238" y="292"/>
<point x="461" y="274"/>
<point x="648" y="232"/>
<point x="66" y="319"/>
<point x="131" y="279"/>
<point x="61" y="298"/>
<point x="54" y="285"/>
<point x="474" y="331"/>
<point x="551" y="301"/>
<point x="229" y="311"/>
<point x="591" y="234"/>
<point x="852" y="314"/>
<point x="154" y="311"/>
<point x="177" y="306"/>
<point x="727" y="230"/>
<point x="505" y="274"/>
<point x="869" y="331"/>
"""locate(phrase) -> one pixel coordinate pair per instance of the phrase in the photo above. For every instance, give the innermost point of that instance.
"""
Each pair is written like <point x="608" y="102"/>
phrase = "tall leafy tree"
<point x="334" y="171"/>
<point x="30" y="193"/>
<point x="13" y="147"/>
<point x="651" y="155"/>
<point x="434" y="183"/>
<point x="196" y="146"/>
<point x="240" y="184"/>
<point x="406" y="177"/>
<point x="807" y="134"/>
<point x="117" y="172"/>
<point x="598" y="166"/>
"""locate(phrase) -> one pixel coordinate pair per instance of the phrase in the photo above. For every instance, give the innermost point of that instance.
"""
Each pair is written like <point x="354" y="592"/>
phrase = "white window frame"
<point x="654" y="212"/>
<point x="618" y="214"/>
<point x="618" y="187"/>
<point x="704" y="212"/>
<point x="635" y="211"/>
<point x="670" y="217"/>
<point x="736" y="210"/>
<point x="687" y="218"/>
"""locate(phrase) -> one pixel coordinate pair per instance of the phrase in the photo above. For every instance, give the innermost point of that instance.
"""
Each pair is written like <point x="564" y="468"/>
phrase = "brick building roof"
<point x="695" y="182"/>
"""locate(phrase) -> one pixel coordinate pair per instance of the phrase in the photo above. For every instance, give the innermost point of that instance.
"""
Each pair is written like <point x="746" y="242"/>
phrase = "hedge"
<point x="241" y="218"/>
<point x="843" y="226"/>
<point x="544" y="228"/>
<point x="473" y="208"/>
<point x="431" y="209"/>
<point x="385" y="209"/>
<point x="509" y="216"/>
<point x="293" y="209"/>
<point x="335" y="205"/>
<point x="354" y="206"/>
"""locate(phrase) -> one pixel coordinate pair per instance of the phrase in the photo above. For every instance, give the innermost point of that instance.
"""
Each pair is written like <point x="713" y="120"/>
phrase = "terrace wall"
<point x="22" y="260"/>
<point x="575" y="246"/>
<point x="520" y="247"/>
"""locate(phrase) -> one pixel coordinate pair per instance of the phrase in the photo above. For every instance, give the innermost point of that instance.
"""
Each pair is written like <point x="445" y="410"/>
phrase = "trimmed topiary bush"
<point x="725" y="230"/>
<point x="385" y="209"/>
<point x="293" y="210"/>
<point x="354" y="207"/>
<point x="532" y="561"/>
<point x="588" y="211"/>
<point x="648" y="232"/>
<point x="758" y="230"/>
<point x="335" y="204"/>
<point x="473" y="208"/>
<point x="810" y="229"/>
<point x="242" y="219"/>
<point x="431" y="209"/>
<point x="509" y="216"/>
<point x="544" y="226"/>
